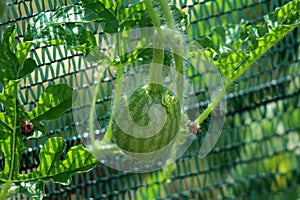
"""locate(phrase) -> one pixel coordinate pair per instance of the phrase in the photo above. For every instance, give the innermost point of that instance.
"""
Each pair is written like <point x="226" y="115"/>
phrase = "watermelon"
<point x="139" y="105"/>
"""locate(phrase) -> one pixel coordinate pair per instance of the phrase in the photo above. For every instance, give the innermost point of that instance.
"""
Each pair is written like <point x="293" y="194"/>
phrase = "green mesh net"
<point x="257" y="155"/>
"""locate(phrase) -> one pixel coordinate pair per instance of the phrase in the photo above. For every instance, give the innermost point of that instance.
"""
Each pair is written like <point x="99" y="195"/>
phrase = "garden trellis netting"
<point x="256" y="157"/>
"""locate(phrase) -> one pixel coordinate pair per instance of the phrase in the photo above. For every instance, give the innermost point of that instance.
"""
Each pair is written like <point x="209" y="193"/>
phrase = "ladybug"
<point x="26" y="127"/>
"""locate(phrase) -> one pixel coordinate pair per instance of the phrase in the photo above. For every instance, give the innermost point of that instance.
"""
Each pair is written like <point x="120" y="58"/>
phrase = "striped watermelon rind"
<point x="140" y="101"/>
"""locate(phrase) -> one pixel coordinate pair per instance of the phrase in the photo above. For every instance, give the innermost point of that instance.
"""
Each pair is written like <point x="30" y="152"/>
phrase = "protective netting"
<point x="257" y="156"/>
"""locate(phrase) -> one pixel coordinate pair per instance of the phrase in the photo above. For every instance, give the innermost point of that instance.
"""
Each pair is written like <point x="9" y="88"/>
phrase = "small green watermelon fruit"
<point x="139" y="103"/>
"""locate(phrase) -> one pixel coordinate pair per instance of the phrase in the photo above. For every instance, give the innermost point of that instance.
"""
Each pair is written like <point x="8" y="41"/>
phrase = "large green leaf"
<point x="77" y="160"/>
<point x="14" y="65"/>
<point x="52" y="104"/>
<point x="12" y="149"/>
<point x="11" y="138"/>
<point x="54" y="27"/>
<point x="115" y="16"/>
<point x="14" y="112"/>
<point x="106" y="13"/>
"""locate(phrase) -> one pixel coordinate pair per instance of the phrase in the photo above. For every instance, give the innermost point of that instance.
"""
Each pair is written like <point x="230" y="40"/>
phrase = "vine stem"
<point x="256" y="54"/>
<point x="175" y="48"/>
<point x="7" y="185"/>
<point x="118" y="93"/>
<point x="167" y="13"/>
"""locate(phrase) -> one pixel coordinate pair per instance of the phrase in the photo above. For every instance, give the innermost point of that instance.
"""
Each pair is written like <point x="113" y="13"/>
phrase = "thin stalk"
<point x="153" y="16"/>
<point x="7" y="185"/>
<point x="167" y="13"/>
<point x="119" y="87"/>
<point x="178" y="48"/>
<point x="93" y="107"/>
<point x="156" y="65"/>
<point x="158" y="54"/>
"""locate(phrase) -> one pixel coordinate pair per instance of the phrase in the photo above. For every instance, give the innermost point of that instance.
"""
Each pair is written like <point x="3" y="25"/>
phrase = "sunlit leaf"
<point x="53" y="102"/>
<point x="77" y="160"/>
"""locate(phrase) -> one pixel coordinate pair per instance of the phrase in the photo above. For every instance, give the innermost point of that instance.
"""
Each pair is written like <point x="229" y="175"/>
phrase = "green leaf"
<point x="220" y="30"/>
<point x="14" y="66"/>
<point x="11" y="143"/>
<point x="106" y="13"/>
<point x="78" y="38"/>
<point x="116" y="17"/>
<point x="235" y="47"/>
<point x="129" y="17"/>
<point x="29" y="66"/>
<point x="54" y="27"/>
<point x="14" y="112"/>
<point x="205" y="42"/>
<point x="12" y="149"/>
<point x="53" y="102"/>
<point x="77" y="160"/>
<point x="9" y="38"/>
<point x="23" y="49"/>
<point x="9" y="65"/>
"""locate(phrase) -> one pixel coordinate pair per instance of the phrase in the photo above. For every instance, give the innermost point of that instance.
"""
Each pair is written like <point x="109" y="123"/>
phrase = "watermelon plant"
<point x="17" y="125"/>
<point x="66" y="26"/>
<point x="232" y="54"/>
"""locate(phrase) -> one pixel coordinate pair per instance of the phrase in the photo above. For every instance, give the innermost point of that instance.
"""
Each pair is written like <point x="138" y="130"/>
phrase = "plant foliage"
<point x="233" y="48"/>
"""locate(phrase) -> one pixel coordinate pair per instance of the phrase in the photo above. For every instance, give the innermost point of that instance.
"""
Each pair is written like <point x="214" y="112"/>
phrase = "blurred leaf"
<point x="33" y="189"/>
<point x="220" y="30"/>
<point x="234" y="47"/>
<point x="78" y="38"/>
<point x="2" y="7"/>
<point x="205" y="42"/>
